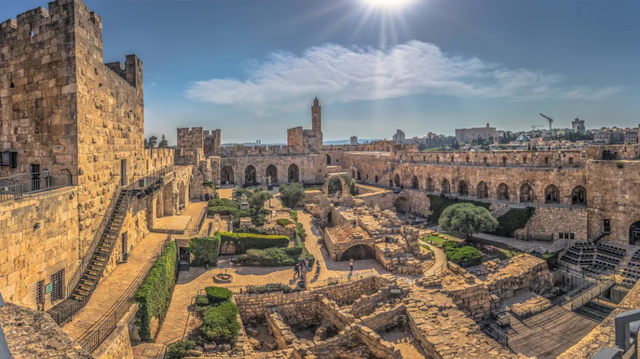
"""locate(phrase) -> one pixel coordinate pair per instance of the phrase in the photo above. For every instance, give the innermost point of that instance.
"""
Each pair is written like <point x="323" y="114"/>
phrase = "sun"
<point x="387" y="3"/>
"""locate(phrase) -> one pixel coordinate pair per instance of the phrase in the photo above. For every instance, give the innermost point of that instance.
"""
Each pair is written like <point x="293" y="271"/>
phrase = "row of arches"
<point x="526" y="193"/>
<point x="227" y="175"/>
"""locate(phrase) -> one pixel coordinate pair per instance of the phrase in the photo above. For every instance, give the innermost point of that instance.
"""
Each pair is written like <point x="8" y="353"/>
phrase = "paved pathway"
<point x="440" y="258"/>
<point x="110" y="289"/>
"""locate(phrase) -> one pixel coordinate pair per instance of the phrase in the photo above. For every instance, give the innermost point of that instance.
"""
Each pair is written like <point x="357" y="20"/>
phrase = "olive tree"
<point x="467" y="219"/>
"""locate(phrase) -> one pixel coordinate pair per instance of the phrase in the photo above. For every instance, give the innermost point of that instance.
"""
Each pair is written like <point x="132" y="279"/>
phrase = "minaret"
<point x="316" y="120"/>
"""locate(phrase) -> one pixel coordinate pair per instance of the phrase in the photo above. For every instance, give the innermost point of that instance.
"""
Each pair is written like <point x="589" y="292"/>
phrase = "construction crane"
<point x="550" y="123"/>
<point x="534" y="126"/>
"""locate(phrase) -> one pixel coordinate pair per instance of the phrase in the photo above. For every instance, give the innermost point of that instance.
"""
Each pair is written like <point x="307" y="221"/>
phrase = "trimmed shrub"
<point x="294" y="215"/>
<point x="221" y="323"/>
<point x="465" y="256"/>
<point x="514" y="219"/>
<point x="205" y="251"/>
<point x="302" y="233"/>
<point x="217" y="295"/>
<point x="202" y="301"/>
<point x="154" y="294"/>
<point x="254" y="230"/>
<point x="284" y="222"/>
<point x="246" y="241"/>
<point x="270" y="257"/>
<point x="179" y="350"/>
<point x="268" y="288"/>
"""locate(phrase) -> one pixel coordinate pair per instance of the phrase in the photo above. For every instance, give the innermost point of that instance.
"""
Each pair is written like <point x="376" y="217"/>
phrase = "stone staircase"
<point x="89" y="279"/>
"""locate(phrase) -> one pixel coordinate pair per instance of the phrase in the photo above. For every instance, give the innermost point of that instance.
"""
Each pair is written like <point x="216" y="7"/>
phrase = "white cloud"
<point x="338" y="74"/>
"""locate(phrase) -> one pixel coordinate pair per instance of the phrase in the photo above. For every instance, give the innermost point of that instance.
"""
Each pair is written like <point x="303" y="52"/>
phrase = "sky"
<point x="253" y="68"/>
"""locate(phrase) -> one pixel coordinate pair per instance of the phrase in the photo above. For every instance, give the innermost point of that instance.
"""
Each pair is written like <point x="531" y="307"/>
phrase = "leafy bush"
<point x="620" y="165"/>
<point x="291" y="194"/>
<point x="258" y="198"/>
<point x="154" y="294"/>
<point x="217" y="295"/>
<point x="467" y="219"/>
<point x="220" y="323"/>
<point x="268" y="288"/>
<point x="246" y="241"/>
<point x="284" y="222"/>
<point x="514" y="219"/>
<point x="205" y="251"/>
<point x="302" y="233"/>
<point x="437" y="205"/>
<point x="179" y="350"/>
<point x="254" y="230"/>
<point x="202" y="301"/>
<point x="353" y="187"/>
<point x="466" y="256"/>
<point x="270" y="257"/>
<point x="294" y="215"/>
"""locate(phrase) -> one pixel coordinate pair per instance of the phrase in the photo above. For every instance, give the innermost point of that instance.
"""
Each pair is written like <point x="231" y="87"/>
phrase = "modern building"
<point x="399" y="137"/>
<point x="578" y="126"/>
<point x="474" y="133"/>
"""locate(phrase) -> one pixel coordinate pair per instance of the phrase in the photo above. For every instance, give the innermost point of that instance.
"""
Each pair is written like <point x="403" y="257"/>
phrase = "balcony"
<point x="17" y="186"/>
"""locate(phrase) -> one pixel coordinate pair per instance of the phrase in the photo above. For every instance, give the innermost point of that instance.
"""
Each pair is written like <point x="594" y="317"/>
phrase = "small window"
<point x="40" y="295"/>
<point x="570" y="160"/>
<point x="484" y="160"/>
<point x="561" y="235"/>
<point x="571" y="235"/>
<point x="57" y="286"/>
<point x="566" y="236"/>
<point x="524" y="159"/>
<point x="31" y="34"/>
<point x="546" y="160"/>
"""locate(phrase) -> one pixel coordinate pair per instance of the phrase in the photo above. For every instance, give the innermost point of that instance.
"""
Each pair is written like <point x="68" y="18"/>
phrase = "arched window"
<point x="526" y="193"/>
<point x="579" y="195"/>
<point x="415" y="183"/>
<point x="429" y="185"/>
<point x="463" y="188"/>
<point x="552" y="194"/>
<point x="503" y="192"/>
<point x="482" y="191"/>
<point x="445" y="186"/>
<point x="396" y="180"/>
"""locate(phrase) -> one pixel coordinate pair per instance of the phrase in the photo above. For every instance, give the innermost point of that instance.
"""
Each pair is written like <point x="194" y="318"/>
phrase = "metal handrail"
<point x="16" y="186"/>
<point x="98" y="332"/>
<point x="150" y="178"/>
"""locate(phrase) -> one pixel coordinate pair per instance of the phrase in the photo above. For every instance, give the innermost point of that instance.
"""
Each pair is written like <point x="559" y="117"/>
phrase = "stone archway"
<point x="526" y="193"/>
<point x="182" y="196"/>
<point x="482" y="191"/>
<point x="429" y="185"/>
<point x="415" y="183"/>
<point x="328" y="160"/>
<point x="579" y="195"/>
<point x="358" y="252"/>
<point x="250" y="174"/>
<point x="335" y="185"/>
<point x="343" y="184"/>
<point x="402" y="205"/>
<point x="551" y="194"/>
<point x="503" y="192"/>
<point x="293" y="173"/>
<point x="397" y="181"/>
<point x="272" y="171"/>
<point x="169" y="207"/>
<point x="226" y="175"/>
<point x="463" y="188"/>
<point x="634" y="233"/>
<point x="445" y="186"/>
<point x="160" y="205"/>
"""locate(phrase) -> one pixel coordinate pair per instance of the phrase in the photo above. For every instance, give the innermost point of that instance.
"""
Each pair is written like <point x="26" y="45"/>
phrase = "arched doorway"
<point x="463" y="188"/>
<point x="415" y="183"/>
<point x="551" y="194"/>
<point x="445" y="186"/>
<point x="503" y="192"/>
<point x="579" y="195"/>
<point x="397" y="181"/>
<point x="335" y="185"/>
<point x="294" y="173"/>
<point x="272" y="172"/>
<point x="182" y="196"/>
<point x="429" y="185"/>
<point x="526" y="193"/>
<point x="482" y="191"/>
<point x="358" y="252"/>
<point x="250" y="174"/>
<point x="634" y="233"/>
<point x="328" y="160"/>
<point x="402" y="205"/>
<point x="226" y="175"/>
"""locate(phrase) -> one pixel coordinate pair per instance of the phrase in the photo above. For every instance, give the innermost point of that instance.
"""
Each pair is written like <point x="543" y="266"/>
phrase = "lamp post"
<point x="4" y="348"/>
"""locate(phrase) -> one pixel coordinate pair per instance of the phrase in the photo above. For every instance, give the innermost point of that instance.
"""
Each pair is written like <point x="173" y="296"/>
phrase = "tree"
<point x="146" y="143"/>
<point x="353" y="187"/>
<point x="291" y="194"/>
<point x="467" y="219"/>
<point x="163" y="143"/>
<point x="258" y="198"/>
<point x="153" y="140"/>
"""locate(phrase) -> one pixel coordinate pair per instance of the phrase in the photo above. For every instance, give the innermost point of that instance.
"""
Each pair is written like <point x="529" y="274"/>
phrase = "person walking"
<point x="306" y="264"/>
<point x="296" y="274"/>
<point x="351" y="266"/>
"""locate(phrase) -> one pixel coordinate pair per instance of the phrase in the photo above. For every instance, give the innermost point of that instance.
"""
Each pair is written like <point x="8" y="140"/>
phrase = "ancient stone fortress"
<point x="81" y="198"/>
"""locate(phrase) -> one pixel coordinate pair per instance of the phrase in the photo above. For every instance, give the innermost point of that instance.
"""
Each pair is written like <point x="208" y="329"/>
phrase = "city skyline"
<point x="428" y="66"/>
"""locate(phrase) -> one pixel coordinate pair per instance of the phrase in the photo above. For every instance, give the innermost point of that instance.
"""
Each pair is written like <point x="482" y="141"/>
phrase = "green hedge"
<point x="254" y="230"/>
<point x="245" y="241"/>
<point x="179" y="350"/>
<point x="154" y="295"/>
<point x="437" y="205"/>
<point x="463" y="255"/>
<point x="284" y="222"/>
<point x="217" y="295"/>
<point x="513" y="220"/>
<point x="205" y="251"/>
<point x="220" y="323"/>
<point x="268" y="288"/>
<point x="202" y="301"/>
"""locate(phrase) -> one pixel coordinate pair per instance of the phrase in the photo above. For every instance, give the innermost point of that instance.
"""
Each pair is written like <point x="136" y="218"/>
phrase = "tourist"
<point x="306" y="264"/>
<point x="351" y="266"/>
<point x="297" y="271"/>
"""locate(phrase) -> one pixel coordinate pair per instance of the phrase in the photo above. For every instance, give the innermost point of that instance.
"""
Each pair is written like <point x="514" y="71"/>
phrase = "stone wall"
<point x="190" y="138"/>
<point x="294" y="137"/>
<point x="521" y="272"/>
<point x="310" y="169"/>
<point x="39" y="238"/>
<point x="118" y="344"/>
<point x="548" y="222"/>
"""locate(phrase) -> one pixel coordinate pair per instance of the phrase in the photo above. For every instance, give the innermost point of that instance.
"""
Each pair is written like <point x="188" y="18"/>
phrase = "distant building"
<point x="353" y="140"/>
<point x="613" y="136"/>
<point x="469" y="134"/>
<point x="578" y="126"/>
<point x="399" y="136"/>
<point x="631" y="135"/>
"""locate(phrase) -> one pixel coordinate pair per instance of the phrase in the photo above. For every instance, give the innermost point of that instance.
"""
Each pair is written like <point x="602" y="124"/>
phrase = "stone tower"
<point x="316" y="121"/>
